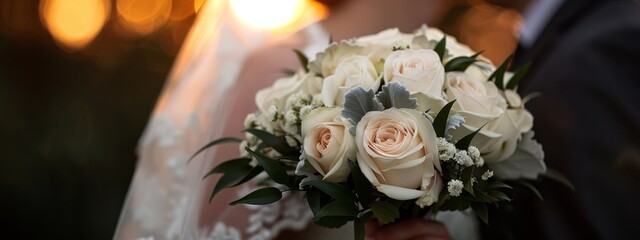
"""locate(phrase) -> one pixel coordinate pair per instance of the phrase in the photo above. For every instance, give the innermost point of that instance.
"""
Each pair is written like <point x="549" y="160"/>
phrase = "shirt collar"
<point x="536" y="18"/>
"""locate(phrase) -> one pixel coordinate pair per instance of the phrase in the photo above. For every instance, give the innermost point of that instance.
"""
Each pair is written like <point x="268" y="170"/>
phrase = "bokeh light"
<point x="181" y="9"/>
<point x="142" y="17"/>
<point x="269" y="15"/>
<point x="74" y="23"/>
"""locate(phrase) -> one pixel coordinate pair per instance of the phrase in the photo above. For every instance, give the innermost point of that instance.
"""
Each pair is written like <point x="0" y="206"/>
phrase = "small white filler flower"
<point x="446" y="150"/>
<point x="455" y="187"/>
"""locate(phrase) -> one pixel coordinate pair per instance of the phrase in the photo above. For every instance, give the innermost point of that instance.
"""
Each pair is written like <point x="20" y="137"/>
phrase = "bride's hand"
<point x="414" y="228"/>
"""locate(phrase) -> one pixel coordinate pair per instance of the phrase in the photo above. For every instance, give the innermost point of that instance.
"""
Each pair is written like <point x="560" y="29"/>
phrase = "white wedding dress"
<point x="168" y="197"/>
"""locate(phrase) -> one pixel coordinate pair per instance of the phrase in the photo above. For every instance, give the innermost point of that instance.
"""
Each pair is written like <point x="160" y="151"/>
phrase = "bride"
<point x="211" y="89"/>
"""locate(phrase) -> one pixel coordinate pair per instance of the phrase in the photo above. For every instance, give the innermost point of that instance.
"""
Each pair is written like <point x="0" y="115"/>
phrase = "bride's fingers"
<point x="412" y="229"/>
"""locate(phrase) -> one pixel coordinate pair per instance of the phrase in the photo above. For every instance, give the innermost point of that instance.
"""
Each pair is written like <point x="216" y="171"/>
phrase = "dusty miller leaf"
<point x="396" y="95"/>
<point x="357" y="103"/>
<point x="453" y="122"/>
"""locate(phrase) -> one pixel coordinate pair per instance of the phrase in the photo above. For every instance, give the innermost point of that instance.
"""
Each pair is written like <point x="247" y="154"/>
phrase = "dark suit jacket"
<point x="586" y="65"/>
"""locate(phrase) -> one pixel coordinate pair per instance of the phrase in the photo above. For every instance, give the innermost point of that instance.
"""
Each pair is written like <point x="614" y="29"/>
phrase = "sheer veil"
<point x="165" y="199"/>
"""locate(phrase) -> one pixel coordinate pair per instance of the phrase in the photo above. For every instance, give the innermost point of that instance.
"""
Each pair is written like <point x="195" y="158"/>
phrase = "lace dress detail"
<point x="291" y="213"/>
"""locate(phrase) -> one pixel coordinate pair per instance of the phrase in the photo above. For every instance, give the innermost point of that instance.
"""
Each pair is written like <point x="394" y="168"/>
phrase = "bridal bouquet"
<point x="388" y="126"/>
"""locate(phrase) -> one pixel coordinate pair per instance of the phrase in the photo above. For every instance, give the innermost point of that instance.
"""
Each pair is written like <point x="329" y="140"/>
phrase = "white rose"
<point x="397" y="152"/>
<point x="511" y="125"/>
<point x="480" y="103"/>
<point x="429" y="34"/>
<point x="355" y="71"/>
<point x="326" y="62"/>
<point x="309" y="84"/>
<point x="481" y="70"/>
<point x="390" y="37"/>
<point x="477" y="101"/>
<point x="327" y="143"/>
<point x="276" y="94"/>
<point x="420" y="71"/>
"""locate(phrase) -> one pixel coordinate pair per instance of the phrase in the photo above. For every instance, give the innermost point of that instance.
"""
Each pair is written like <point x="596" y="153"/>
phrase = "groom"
<point x="586" y="64"/>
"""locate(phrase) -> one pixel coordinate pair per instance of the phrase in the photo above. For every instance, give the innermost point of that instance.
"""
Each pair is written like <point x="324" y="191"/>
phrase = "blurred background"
<point x="79" y="78"/>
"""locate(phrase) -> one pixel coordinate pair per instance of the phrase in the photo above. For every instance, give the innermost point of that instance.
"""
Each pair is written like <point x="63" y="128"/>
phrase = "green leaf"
<point x="213" y="143"/>
<point x="460" y="64"/>
<point x="465" y="142"/>
<point x="440" y="122"/>
<point x="230" y="178"/>
<point x="288" y="72"/>
<point x="304" y="61"/>
<point x="498" y="74"/>
<point x="228" y="165"/>
<point x="358" y="229"/>
<point x="361" y="185"/>
<point x="261" y="196"/>
<point x="499" y="195"/>
<point x="277" y="143"/>
<point x="273" y="168"/>
<point x="253" y="173"/>
<point x="366" y="216"/>
<point x="292" y="158"/>
<point x="459" y="203"/>
<point x="314" y="199"/>
<point x="465" y="176"/>
<point x="332" y="222"/>
<point x="481" y="211"/>
<point x="518" y="75"/>
<point x="441" y="48"/>
<point x="336" y="191"/>
<point x="557" y="176"/>
<point x="484" y="197"/>
<point x="385" y="212"/>
<point x="497" y="184"/>
<point x="442" y="199"/>
<point x="338" y="209"/>
<point x="531" y="187"/>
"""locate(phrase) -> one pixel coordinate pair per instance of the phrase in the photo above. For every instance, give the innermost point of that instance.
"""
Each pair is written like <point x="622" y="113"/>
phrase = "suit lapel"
<point x="561" y="22"/>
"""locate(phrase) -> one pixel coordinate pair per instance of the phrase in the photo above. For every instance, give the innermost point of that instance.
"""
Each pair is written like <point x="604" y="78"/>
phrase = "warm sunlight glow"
<point x="269" y="15"/>
<point x="74" y="23"/>
<point x="197" y="4"/>
<point x="143" y="16"/>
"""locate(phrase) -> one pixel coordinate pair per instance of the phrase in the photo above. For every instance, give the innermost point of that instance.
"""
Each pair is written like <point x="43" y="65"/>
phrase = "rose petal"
<point x="399" y="193"/>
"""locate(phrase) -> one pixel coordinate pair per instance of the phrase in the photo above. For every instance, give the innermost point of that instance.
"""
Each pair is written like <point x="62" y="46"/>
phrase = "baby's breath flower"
<point x="304" y="111"/>
<point x="250" y="138"/>
<point x="316" y="101"/>
<point x="486" y="175"/>
<point x="298" y="100"/>
<point x="273" y="113"/>
<point x="462" y="158"/>
<point x="250" y="120"/>
<point x="473" y="152"/>
<point x="446" y="150"/>
<point x="480" y="162"/>
<point x="243" y="152"/>
<point x="291" y="117"/>
<point x="454" y="187"/>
